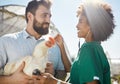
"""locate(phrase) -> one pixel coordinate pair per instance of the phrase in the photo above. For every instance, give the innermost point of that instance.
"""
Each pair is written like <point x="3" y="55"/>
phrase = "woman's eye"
<point x="80" y="21"/>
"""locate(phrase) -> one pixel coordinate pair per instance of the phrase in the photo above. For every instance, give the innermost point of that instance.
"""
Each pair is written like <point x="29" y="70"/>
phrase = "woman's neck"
<point x="89" y="38"/>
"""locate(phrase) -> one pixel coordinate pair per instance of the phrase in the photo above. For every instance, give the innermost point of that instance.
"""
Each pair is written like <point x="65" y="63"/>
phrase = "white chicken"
<point x="36" y="62"/>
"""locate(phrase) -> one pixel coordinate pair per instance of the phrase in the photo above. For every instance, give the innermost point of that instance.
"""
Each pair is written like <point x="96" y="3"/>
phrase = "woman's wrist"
<point x="61" y="82"/>
<point x="58" y="81"/>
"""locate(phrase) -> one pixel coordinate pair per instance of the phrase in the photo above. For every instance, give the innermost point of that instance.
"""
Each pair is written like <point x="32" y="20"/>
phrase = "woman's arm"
<point x="47" y="78"/>
<point x="93" y="82"/>
<point x="65" y="59"/>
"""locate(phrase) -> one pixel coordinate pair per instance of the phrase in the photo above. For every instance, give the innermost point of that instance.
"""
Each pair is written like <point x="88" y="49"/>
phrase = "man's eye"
<point x="44" y="15"/>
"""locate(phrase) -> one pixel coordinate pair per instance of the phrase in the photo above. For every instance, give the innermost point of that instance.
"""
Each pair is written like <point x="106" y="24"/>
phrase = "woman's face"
<point x="82" y="27"/>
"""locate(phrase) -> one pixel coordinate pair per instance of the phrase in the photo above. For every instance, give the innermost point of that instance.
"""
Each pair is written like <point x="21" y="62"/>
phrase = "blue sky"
<point x="64" y="17"/>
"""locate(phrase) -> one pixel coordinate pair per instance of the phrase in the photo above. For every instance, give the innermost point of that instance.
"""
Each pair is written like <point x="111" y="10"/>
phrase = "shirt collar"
<point x="26" y="35"/>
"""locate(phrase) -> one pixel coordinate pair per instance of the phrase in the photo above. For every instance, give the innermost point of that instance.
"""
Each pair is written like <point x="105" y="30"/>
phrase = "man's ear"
<point x="30" y="16"/>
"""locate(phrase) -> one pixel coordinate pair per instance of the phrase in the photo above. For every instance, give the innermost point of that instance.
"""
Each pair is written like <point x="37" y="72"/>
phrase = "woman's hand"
<point x="59" y="40"/>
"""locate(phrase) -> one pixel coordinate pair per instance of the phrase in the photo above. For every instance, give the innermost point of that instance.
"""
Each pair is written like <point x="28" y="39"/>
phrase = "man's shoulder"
<point x="11" y="35"/>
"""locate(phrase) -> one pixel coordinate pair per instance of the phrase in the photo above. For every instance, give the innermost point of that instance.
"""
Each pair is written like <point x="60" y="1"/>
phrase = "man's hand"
<point x="49" y="68"/>
<point x="20" y="77"/>
<point x="44" y="78"/>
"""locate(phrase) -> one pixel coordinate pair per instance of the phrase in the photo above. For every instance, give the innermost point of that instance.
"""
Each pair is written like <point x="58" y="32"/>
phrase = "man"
<point x="17" y="45"/>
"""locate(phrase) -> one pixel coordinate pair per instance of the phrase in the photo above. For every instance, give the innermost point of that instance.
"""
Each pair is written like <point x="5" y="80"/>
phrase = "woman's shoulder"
<point x="92" y="44"/>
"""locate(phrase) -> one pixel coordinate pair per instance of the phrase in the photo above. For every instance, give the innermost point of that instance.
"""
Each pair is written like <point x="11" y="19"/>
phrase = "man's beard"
<point x="39" y="27"/>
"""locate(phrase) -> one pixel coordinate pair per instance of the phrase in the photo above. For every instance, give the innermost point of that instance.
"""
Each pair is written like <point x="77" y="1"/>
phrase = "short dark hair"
<point x="34" y="4"/>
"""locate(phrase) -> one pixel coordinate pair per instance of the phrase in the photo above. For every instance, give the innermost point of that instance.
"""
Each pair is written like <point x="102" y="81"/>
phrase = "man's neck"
<point x="33" y="33"/>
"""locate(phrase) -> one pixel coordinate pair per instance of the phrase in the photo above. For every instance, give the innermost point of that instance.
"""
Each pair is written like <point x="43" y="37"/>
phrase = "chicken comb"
<point x="50" y="42"/>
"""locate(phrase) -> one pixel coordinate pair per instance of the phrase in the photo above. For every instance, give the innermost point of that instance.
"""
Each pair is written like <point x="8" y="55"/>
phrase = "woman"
<point x="91" y="65"/>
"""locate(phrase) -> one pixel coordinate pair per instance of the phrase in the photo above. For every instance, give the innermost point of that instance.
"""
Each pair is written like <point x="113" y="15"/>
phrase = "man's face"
<point x="42" y="20"/>
<point x="40" y="28"/>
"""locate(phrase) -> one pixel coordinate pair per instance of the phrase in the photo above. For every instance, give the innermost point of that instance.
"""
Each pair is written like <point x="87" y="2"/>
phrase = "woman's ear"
<point x="30" y="16"/>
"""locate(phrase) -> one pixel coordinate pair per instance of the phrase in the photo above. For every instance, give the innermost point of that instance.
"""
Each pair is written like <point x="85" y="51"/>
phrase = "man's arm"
<point x="17" y="78"/>
<point x="4" y="79"/>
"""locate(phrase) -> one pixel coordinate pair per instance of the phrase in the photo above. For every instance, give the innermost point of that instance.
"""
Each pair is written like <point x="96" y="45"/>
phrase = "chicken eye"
<point x="36" y="72"/>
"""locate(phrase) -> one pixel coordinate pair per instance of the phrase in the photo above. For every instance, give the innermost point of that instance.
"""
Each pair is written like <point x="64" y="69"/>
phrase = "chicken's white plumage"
<point x="37" y="61"/>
